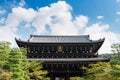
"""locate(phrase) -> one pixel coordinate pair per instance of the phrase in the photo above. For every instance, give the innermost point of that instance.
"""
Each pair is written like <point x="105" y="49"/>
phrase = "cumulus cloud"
<point x="118" y="1"/>
<point x="100" y="17"/>
<point x="2" y="20"/>
<point x="97" y="31"/>
<point x="7" y="35"/>
<point x="22" y="3"/>
<point x="13" y="21"/>
<point x="19" y="15"/>
<point x="118" y="13"/>
<point x="58" y="18"/>
<point x="80" y="22"/>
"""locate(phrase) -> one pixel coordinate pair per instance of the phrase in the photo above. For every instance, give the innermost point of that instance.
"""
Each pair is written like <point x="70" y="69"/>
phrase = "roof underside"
<point x="68" y="59"/>
<point x="60" y="39"/>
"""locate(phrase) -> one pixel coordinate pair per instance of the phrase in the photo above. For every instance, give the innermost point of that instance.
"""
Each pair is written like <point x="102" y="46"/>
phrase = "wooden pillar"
<point x="52" y="77"/>
<point x="67" y="75"/>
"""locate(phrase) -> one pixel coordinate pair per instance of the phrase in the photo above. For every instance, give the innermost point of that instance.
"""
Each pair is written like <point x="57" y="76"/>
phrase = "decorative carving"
<point x="60" y="48"/>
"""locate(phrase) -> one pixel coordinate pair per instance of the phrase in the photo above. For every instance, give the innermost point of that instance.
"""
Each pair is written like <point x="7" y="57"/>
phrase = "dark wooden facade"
<point x="62" y="55"/>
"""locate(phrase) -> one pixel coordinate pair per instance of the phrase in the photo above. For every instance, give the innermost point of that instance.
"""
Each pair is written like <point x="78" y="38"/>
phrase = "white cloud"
<point x="80" y="21"/>
<point x="118" y="13"/>
<point x="118" y="1"/>
<point x="59" y="19"/>
<point x="13" y="21"/>
<point x="100" y="17"/>
<point x="19" y="15"/>
<point x="7" y="35"/>
<point x="26" y="15"/>
<point x="97" y="31"/>
<point x="2" y="20"/>
<point x="22" y="3"/>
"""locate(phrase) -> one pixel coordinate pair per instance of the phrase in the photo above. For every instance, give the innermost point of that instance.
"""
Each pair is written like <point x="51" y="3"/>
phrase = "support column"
<point x="52" y="76"/>
<point x="67" y="75"/>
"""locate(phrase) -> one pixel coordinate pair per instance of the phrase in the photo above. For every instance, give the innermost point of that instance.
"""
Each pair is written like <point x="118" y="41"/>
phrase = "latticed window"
<point x="76" y="48"/>
<point x="71" y="48"/>
<point x="56" y="51"/>
<point x="66" y="48"/>
<point x="28" y="50"/>
<point x="72" y="65"/>
<point x="77" y="65"/>
<point x="57" y="65"/>
<point x="36" y="51"/>
<point x="67" y="56"/>
<point x="48" y="49"/>
<point x="85" y="48"/>
<point x="43" y="48"/>
<point x="77" y="51"/>
<point x="81" y="48"/>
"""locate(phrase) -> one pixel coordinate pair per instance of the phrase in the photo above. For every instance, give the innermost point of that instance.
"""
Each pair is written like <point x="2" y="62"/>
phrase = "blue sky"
<point x="97" y="18"/>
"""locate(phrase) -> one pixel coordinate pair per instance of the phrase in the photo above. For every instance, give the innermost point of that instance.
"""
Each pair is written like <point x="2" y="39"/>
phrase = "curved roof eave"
<point x="100" y="40"/>
<point x="92" y="41"/>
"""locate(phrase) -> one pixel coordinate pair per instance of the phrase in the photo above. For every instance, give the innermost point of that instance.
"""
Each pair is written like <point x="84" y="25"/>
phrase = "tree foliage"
<point x="98" y="71"/>
<point x="105" y="70"/>
<point x="115" y="61"/>
<point x="4" y="75"/>
<point x="35" y="71"/>
<point x="14" y="64"/>
<point x="4" y="54"/>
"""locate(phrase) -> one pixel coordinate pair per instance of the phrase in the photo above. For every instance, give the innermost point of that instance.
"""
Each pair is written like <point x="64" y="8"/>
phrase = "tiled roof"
<point x="60" y="39"/>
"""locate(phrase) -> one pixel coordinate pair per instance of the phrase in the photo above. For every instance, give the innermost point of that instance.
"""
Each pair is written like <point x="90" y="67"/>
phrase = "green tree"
<point x="115" y="61"/>
<point x="25" y="63"/>
<point x="4" y="75"/>
<point x="35" y="71"/>
<point x="98" y="71"/>
<point x="14" y="64"/>
<point x="17" y="63"/>
<point x="4" y="54"/>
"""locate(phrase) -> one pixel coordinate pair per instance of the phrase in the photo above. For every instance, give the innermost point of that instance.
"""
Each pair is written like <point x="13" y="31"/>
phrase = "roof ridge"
<point x="59" y="36"/>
